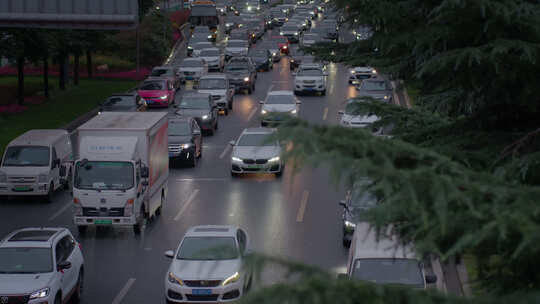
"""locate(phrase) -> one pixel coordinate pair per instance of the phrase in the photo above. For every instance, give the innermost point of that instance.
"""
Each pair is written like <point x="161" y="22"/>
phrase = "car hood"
<point x="205" y="270"/>
<point x="186" y="69"/>
<point x="236" y="75"/>
<point x="185" y="139"/>
<point x="256" y="152"/>
<point x="281" y="108"/>
<point x="221" y="92"/>
<point x="302" y="78"/>
<point x="210" y="58"/>
<point x="152" y="94"/>
<point x="24" y="283"/>
<point x="193" y="112"/>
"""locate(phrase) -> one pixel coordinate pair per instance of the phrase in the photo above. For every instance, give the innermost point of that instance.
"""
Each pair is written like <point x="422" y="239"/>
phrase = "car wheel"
<point x="323" y="93"/>
<point x="234" y="174"/>
<point x="137" y="228"/>
<point x="249" y="90"/>
<point x="230" y="104"/>
<point x="65" y="185"/>
<point x="49" y="196"/>
<point x="77" y="295"/>
<point x="82" y="229"/>
<point x="278" y="174"/>
<point x="58" y="299"/>
<point x="193" y="162"/>
<point x="346" y="243"/>
<point x="226" y="111"/>
<point x="158" y="210"/>
<point x="200" y="151"/>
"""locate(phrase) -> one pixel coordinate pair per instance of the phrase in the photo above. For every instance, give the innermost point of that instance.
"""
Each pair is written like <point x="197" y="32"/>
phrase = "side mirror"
<point x="144" y="172"/>
<point x="63" y="265"/>
<point x="341" y="112"/>
<point x="343" y="204"/>
<point x="431" y="279"/>
<point x="169" y="254"/>
<point x="342" y="276"/>
<point x="232" y="143"/>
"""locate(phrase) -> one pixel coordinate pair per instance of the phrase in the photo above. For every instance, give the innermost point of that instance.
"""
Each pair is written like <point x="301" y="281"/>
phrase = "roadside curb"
<point x="437" y="270"/>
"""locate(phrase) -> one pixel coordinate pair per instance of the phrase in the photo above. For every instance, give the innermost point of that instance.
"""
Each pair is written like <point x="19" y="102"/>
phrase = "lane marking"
<point x="123" y="292"/>
<point x="59" y="212"/>
<point x="186" y="204"/>
<point x="303" y="205"/>
<point x="225" y="151"/>
<point x="202" y="179"/>
<point x="253" y="113"/>
<point x="325" y="114"/>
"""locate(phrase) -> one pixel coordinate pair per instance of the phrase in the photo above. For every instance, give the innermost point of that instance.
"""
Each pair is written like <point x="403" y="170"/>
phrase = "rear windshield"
<point x="310" y="72"/>
<point x="389" y="271"/>
<point x="374" y="85"/>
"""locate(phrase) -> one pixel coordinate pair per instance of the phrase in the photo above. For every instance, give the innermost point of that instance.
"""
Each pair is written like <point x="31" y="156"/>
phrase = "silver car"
<point x="277" y="106"/>
<point x="253" y="153"/>
<point x="377" y="88"/>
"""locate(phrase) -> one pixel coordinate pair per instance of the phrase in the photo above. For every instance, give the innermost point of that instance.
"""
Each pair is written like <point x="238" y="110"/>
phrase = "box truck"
<point x="122" y="168"/>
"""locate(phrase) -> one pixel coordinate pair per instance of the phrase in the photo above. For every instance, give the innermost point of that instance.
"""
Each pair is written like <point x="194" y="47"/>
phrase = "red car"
<point x="157" y="92"/>
<point x="283" y="43"/>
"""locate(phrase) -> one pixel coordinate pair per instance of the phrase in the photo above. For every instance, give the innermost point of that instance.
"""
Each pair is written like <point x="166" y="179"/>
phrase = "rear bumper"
<point x="183" y="155"/>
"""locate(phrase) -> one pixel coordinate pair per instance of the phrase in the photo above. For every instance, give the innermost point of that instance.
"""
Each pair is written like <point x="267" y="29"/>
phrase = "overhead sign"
<point x="70" y="14"/>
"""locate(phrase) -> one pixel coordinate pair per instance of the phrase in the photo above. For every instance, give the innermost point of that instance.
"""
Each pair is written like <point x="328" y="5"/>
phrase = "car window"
<point x="235" y="68"/>
<point x="60" y="252"/>
<point x="241" y="237"/>
<point x="373" y="85"/>
<point x="280" y="99"/>
<point x="53" y="152"/>
<point x="310" y="72"/>
<point x="69" y="246"/>
<point x="389" y="271"/>
<point x="26" y="156"/>
<point x="152" y="86"/>
<point x="179" y="128"/>
<point x="208" y="248"/>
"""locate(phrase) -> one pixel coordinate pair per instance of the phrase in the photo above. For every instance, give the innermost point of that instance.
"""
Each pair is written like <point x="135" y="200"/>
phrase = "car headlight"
<point x="374" y="71"/>
<point x="43" y="178"/>
<point x="186" y="146"/>
<point x="231" y="279"/>
<point x="163" y="97"/>
<point x="296" y="34"/>
<point x="209" y="36"/>
<point x="350" y="224"/>
<point x="263" y="112"/>
<point x="293" y="111"/>
<point x="246" y="79"/>
<point x="274" y="159"/>
<point x="236" y="159"/>
<point x="3" y="177"/>
<point x="190" y="47"/>
<point x="352" y="72"/>
<point x="205" y="117"/>
<point x="385" y="97"/>
<point x="281" y="33"/>
<point x="42" y="293"/>
<point x="274" y="54"/>
<point x="175" y="280"/>
<point x="284" y="46"/>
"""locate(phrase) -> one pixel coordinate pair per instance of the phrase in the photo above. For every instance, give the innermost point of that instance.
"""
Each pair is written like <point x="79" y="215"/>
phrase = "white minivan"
<point x="36" y="163"/>
<point x="384" y="260"/>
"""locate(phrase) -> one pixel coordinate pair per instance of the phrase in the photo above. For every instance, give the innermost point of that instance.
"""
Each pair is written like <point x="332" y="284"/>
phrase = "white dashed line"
<point x="225" y="151"/>
<point x="120" y="296"/>
<point x="303" y="205"/>
<point x="186" y="204"/>
<point x="203" y="179"/>
<point x="59" y="212"/>
<point x="252" y="113"/>
<point x="325" y="113"/>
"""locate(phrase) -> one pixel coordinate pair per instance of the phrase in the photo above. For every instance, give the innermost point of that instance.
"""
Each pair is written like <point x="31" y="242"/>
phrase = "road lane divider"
<point x="253" y="113"/>
<point x="203" y="179"/>
<point x="325" y="114"/>
<point x="59" y="212"/>
<point x="123" y="292"/>
<point x="303" y="205"/>
<point x="225" y="151"/>
<point x="186" y="204"/>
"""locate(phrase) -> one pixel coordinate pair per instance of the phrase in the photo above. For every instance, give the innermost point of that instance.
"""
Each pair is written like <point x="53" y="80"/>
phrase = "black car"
<point x="241" y="74"/>
<point x="262" y="59"/>
<point x="201" y="107"/>
<point x="185" y="140"/>
<point x="356" y="203"/>
<point x="297" y="56"/>
<point x="123" y="103"/>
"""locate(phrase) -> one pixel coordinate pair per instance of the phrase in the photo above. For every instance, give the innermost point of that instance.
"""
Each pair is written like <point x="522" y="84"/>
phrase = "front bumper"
<point x="156" y="103"/>
<point x="104" y="220"/>
<point x="315" y="87"/>
<point x="175" y="293"/>
<point x="269" y="167"/>
<point x="240" y="84"/>
<point x="27" y="189"/>
<point x="182" y="155"/>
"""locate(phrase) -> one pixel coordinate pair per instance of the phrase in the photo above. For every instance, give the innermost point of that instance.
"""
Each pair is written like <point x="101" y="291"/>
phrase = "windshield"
<point x="179" y="128"/>
<point x="194" y="103"/>
<point x="360" y="198"/>
<point x="280" y="99"/>
<point x="352" y="108"/>
<point x="255" y="140"/>
<point x="202" y="29"/>
<point x="310" y="72"/>
<point x="242" y="44"/>
<point x="152" y="86"/>
<point x="235" y="68"/>
<point x="212" y="84"/>
<point x="311" y="37"/>
<point x="208" y="248"/>
<point x="202" y="45"/>
<point x="191" y="64"/>
<point x="162" y="72"/>
<point x="27" y="156"/>
<point x="388" y="271"/>
<point x="25" y="260"/>
<point x="209" y="53"/>
<point x="258" y="53"/>
<point x="120" y="101"/>
<point x="373" y="85"/>
<point x="98" y="175"/>
<point x="289" y="29"/>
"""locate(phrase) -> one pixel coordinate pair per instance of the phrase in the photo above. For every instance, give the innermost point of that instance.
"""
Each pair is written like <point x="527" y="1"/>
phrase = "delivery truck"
<point x="122" y="168"/>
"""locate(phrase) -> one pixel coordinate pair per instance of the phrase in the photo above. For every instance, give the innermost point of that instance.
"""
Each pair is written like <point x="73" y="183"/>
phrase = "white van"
<point x="36" y="163"/>
<point x="383" y="260"/>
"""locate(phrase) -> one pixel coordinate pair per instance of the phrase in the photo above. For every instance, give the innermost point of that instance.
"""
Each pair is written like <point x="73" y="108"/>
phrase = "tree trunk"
<point x="20" y="75"/>
<point x="76" y="69"/>
<point x="89" y="63"/>
<point x="46" y="75"/>
<point x="62" y="76"/>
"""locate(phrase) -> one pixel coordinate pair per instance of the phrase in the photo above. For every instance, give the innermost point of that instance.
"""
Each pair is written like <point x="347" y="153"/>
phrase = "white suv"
<point x="208" y="265"/>
<point x="41" y="265"/>
<point x="310" y="78"/>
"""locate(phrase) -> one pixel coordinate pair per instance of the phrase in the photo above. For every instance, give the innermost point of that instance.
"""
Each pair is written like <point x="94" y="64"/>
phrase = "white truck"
<point x="121" y="173"/>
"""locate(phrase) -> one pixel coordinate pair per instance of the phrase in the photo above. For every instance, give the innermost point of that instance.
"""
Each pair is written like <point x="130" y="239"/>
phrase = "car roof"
<point x="368" y="245"/>
<point x="212" y="230"/>
<point x="39" y="137"/>
<point x="32" y="237"/>
<point x="281" y="92"/>
<point x="214" y="76"/>
<point x="259" y="130"/>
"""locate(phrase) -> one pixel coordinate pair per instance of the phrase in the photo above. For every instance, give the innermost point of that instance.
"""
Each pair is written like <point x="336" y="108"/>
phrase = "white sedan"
<point x="279" y="105"/>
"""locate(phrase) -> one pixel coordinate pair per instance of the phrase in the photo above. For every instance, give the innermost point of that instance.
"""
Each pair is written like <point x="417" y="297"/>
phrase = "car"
<point x="262" y="58"/>
<point x="363" y="33"/>
<point x="41" y="265"/>
<point x="236" y="48"/>
<point x="194" y="40"/>
<point x="283" y="44"/>
<point x="241" y="75"/>
<point x="192" y="69"/>
<point x="377" y="88"/>
<point x="351" y="119"/>
<point x="253" y="153"/>
<point x="221" y="8"/>
<point x="309" y="39"/>
<point x="297" y="56"/>
<point x="123" y="102"/>
<point x="208" y="265"/>
<point x="185" y="140"/>
<point x="277" y="106"/>
<point x="221" y="92"/>
<point x="310" y="78"/>
<point x="273" y="47"/>
<point x="357" y="201"/>
<point x="199" y="46"/>
<point x="168" y="72"/>
<point x="213" y="58"/>
<point x="357" y="74"/>
<point x="201" y="29"/>
<point x="278" y="17"/>
<point x="290" y="32"/>
<point x="201" y="107"/>
<point x="157" y="92"/>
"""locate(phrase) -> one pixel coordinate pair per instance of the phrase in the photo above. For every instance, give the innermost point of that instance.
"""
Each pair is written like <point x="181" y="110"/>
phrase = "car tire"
<point x="216" y="126"/>
<point x="77" y="294"/>
<point x="234" y="174"/>
<point x="66" y="182"/>
<point x="249" y="90"/>
<point x="226" y="111"/>
<point x="58" y="299"/>
<point x="323" y="93"/>
<point x="193" y="161"/>
<point x="137" y="227"/>
<point x="346" y="243"/>
<point x="279" y="173"/>
<point x="49" y="196"/>
<point x="230" y="104"/>
<point x="200" y="152"/>
<point x="296" y="92"/>
<point x="158" y="210"/>
<point x="82" y="229"/>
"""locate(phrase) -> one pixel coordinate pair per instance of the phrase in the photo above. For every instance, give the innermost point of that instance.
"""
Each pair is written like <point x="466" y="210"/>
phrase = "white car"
<point x="192" y="69"/>
<point x="217" y="85"/>
<point x="41" y="266"/>
<point x="309" y="39"/>
<point x="310" y="78"/>
<point x="213" y="58"/>
<point x="208" y="265"/>
<point x="236" y="48"/>
<point x="252" y="153"/>
<point x="351" y="119"/>
<point x="279" y="105"/>
<point x="199" y="46"/>
<point x="291" y="32"/>
<point x="357" y="74"/>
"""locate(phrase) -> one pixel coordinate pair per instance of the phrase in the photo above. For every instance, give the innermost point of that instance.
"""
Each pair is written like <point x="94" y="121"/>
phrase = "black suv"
<point x="185" y="140"/>
<point x="201" y="107"/>
<point x="242" y="73"/>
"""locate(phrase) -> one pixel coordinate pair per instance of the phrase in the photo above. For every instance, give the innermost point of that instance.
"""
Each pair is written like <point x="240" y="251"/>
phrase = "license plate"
<point x="189" y="77"/>
<point x="201" y="291"/>
<point x="253" y="166"/>
<point x="310" y="89"/>
<point x="103" y="222"/>
<point x="22" y="188"/>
